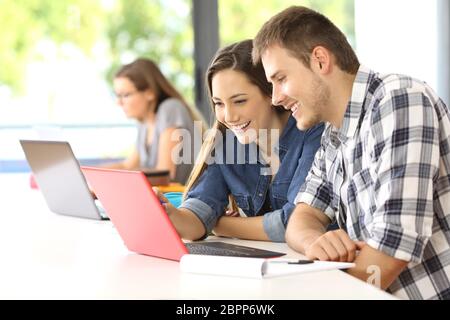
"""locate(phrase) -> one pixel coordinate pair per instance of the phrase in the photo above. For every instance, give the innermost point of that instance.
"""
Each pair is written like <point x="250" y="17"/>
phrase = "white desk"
<point x="47" y="256"/>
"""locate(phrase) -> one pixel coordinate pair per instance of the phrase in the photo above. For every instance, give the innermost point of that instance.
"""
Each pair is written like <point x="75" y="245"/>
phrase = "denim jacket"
<point x="251" y="187"/>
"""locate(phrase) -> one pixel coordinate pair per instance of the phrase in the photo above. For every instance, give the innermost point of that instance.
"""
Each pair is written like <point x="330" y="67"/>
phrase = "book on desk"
<point x="254" y="267"/>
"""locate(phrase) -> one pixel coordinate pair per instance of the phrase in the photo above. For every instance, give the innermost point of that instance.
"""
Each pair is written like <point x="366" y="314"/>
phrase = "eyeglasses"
<point x="125" y="96"/>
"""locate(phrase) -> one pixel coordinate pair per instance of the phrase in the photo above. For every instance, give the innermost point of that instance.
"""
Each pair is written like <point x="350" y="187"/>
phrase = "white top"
<point x="48" y="256"/>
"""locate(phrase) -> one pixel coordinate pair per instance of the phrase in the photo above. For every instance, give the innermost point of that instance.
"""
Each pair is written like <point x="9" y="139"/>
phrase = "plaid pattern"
<point x="385" y="177"/>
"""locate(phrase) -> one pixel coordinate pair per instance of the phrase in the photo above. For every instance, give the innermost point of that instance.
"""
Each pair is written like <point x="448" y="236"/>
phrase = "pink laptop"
<point x="142" y="222"/>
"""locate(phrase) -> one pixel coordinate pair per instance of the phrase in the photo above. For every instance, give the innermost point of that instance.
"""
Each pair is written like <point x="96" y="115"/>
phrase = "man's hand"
<point x="333" y="246"/>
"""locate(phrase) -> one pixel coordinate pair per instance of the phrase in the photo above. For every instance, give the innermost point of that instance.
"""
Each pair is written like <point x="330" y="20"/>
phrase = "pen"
<point x="297" y="261"/>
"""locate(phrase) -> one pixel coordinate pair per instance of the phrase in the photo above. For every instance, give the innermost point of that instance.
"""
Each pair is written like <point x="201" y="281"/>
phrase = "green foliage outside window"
<point x="126" y="29"/>
<point x="241" y="19"/>
<point x="26" y="22"/>
<point x="155" y="29"/>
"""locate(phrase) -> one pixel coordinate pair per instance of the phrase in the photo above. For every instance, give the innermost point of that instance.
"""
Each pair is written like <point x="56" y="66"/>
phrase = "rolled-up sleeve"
<point x="406" y="159"/>
<point x="203" y="211"/>
<point x="274" y="226"/>
<point x="209" y="197"/>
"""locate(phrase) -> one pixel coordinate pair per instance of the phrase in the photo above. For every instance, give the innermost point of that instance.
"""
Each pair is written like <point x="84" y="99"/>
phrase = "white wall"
<point x="443" y="67"/>
<point x="398" y="36"/>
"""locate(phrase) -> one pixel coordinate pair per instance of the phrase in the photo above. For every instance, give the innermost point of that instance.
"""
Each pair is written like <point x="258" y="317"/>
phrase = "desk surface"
<point x="48" y="256"/>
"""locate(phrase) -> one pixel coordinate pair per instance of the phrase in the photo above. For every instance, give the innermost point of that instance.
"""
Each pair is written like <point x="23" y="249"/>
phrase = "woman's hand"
<point x="170" y="209"/>
<point x="188" y="224"/>
<point x="231" y="213"/>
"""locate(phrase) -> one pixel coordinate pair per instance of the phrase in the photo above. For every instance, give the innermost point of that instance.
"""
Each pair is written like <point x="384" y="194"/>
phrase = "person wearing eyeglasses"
<point x="164" y="118"/>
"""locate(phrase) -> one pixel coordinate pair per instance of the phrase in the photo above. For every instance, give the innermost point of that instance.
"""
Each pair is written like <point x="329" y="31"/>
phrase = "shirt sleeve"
<point x="275" y="222"/>
<point x="316" y="191"/>
<point x="172" y="114"/>
<point x="209" y="197"/>
<point x="404" y="147"/>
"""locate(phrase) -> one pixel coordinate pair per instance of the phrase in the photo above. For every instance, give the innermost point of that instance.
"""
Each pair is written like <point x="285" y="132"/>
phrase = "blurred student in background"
<point x="162" y="114"/>
<point x="264" y="189"/>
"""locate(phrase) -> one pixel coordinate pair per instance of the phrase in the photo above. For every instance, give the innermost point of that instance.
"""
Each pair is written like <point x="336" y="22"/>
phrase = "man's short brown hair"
<point x="299" y="30"/>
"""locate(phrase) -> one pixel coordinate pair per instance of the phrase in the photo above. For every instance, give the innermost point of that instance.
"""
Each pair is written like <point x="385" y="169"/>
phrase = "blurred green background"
<point x="121" y="30"/>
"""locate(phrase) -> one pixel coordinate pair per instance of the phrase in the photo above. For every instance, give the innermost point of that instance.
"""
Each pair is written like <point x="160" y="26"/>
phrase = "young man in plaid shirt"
<point x="383" y="167"/>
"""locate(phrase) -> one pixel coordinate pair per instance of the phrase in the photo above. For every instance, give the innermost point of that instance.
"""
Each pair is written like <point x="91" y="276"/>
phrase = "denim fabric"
<point x="247" y="180"/>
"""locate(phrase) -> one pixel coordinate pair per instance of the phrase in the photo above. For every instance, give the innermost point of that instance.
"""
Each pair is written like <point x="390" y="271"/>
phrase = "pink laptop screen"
<point x="136" y="212"/>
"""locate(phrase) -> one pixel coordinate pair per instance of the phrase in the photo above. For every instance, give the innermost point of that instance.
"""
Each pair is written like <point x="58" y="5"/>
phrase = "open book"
<point x="252" y="267"/>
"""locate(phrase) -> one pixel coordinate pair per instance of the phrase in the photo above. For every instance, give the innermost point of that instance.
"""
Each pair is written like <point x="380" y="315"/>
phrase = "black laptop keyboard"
<point x="226" y="249"/>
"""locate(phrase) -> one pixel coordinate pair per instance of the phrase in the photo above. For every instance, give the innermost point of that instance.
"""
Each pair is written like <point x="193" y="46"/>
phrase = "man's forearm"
<point x="377" y="268"/>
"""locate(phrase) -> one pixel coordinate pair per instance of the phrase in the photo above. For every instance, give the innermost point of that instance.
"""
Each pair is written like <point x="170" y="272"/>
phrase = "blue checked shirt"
<point x="384" y="176"/>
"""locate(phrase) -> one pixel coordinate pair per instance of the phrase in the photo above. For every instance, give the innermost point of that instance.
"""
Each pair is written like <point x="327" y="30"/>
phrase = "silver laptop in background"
<point x="59" y="177"/>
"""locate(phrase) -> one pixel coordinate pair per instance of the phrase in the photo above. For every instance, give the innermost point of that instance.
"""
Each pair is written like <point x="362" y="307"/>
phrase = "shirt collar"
<point x="289" y="129"/>
<point x="355" y="108"/>
<point x="284" y="141"/>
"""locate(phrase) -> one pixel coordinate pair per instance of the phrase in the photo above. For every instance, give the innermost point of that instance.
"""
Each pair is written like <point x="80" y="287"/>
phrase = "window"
<point x="393" y="39"/>
<point x="56" y="74"/>
<point x="242" y="19"/>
